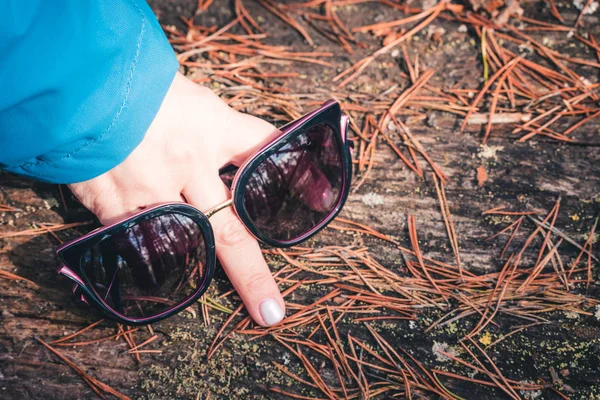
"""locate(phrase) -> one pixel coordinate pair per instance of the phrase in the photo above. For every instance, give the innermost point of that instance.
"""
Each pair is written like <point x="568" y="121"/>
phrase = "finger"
<point x="239" y="253"/>
<point x="111" y="200"/>
<point x="241" y="144"/>
<point x="244" y="133"/>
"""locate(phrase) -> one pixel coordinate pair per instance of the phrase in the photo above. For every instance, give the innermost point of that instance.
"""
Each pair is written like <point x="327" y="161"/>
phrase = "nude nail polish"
<point x="271" y="312"/>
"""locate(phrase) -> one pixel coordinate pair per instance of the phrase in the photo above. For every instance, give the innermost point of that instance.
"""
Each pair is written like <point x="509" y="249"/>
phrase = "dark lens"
<point x="148" y="268"/>
<point x="297" y="186"/>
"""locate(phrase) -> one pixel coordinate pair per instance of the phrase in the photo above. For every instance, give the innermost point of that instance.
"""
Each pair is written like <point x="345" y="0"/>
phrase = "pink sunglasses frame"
<point x="286" y="130"/>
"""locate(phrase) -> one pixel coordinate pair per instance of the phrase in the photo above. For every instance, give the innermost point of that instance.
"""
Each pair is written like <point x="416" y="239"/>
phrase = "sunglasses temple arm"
<point x="345" y="121"/>
<point x="78" y="286"/>
<point x="66" y="271"/>
<point x="344" y="125"/>
<point x="77" y="292"/>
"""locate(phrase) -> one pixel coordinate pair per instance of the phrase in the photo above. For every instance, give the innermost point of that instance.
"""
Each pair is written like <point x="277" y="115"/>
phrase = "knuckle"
<point x="256" y="282"/>
<point x="232" y="233"/>
<point x="179" y="154"/>
<point x="100" y="198"/>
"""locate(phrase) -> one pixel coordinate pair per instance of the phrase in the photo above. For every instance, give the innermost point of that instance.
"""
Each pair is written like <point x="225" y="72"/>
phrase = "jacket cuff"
<point x="151" y="72"/>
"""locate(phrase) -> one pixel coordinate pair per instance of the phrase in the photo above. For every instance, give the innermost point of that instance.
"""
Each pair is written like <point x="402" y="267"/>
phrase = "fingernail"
<point x="271" y="312"/>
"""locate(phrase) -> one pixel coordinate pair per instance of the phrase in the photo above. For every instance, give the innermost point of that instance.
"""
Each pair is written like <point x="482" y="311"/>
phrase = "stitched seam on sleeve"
<point x="123" y="104"/>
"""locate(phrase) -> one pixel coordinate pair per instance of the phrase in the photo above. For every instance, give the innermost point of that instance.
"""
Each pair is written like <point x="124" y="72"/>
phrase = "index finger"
<point x="240" y="255"/>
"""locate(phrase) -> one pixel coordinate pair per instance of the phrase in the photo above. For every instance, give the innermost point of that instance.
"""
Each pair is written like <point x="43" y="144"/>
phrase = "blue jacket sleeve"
<point x="80" y="83"/>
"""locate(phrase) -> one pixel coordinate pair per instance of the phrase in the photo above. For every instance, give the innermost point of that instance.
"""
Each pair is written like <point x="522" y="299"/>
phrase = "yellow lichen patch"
<point x="486" y="339"/>
<point x="575" y="217"/>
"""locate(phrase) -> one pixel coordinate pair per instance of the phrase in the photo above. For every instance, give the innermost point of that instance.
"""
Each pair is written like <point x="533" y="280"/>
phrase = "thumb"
<point x="239" y="144"/>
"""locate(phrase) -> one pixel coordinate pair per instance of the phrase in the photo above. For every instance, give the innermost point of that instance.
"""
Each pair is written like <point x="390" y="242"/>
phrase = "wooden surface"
<point x="529" y="176"/>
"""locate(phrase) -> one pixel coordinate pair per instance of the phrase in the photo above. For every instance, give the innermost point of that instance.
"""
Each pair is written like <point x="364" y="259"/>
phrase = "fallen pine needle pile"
<point x="360" y="289"/>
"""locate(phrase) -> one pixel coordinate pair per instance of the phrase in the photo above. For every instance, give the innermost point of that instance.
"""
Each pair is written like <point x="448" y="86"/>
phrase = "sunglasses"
<point x="160" y="261"/>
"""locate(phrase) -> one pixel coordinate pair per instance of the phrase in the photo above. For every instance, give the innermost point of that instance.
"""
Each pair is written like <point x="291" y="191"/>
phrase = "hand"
<point x="193" y="135"/>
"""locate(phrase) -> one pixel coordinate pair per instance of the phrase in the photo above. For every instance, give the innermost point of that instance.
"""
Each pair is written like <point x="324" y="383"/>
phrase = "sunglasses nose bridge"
<point x="218" y="208"/>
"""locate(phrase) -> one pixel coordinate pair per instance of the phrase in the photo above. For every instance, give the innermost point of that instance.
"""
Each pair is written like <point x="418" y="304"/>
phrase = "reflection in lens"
<point x="148" y="268"/>
<point x="297" y="186"/>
